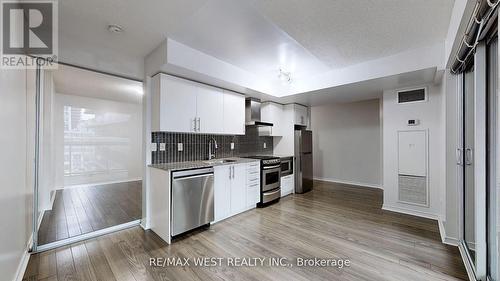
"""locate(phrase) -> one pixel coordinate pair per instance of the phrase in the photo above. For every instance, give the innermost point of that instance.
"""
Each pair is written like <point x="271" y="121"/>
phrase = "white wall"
<point x="347" y="142"/>
<point x="16" y="196"/>
<point x="129" y="130"/>
<point x="431" y="114"/>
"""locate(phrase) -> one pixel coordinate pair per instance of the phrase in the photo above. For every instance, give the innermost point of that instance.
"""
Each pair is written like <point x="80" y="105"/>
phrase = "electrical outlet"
<point x="265" y="145"/>
<point x="162" y="146"/>
<point x="232" y="146"/>
<point x="180" y="147"/>
<point x="154" y="146"/>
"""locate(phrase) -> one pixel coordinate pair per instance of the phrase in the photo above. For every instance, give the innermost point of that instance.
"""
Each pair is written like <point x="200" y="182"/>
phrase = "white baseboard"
<point x="23" y="264"/>
<point x="97" y="183"/>
<point x="355" y="183"/>
<point x="144" y="224"/>
<point x="410" y="212"/>
<point x="445" y="239"/>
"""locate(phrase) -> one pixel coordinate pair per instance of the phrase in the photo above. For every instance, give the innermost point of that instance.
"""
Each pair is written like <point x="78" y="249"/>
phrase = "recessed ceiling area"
<point x="345" y="32"/>
<point x="365" y="90"/>
<point x="70" y="80"/>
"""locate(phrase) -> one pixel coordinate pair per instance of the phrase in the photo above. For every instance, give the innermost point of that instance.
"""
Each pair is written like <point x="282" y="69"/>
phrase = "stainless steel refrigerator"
<point x="303" y="161"/>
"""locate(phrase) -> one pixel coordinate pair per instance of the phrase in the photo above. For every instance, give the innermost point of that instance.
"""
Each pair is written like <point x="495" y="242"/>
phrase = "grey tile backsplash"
<point x="195" y="146"/>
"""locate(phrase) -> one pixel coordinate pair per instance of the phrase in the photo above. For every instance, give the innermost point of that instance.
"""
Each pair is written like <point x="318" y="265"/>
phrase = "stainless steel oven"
<point x="286" y="166"/>
<point x="271" y="177"/>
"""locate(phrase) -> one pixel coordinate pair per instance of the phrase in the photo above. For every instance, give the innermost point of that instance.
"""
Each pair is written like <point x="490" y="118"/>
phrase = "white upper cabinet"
<point x="273" y="113"/>
<point x="234" y="113"/>
<point x="180" y="105"/>
<point x="173" y="104"/>
<point x="301" y="115"/>
<point x="209" y="109"/>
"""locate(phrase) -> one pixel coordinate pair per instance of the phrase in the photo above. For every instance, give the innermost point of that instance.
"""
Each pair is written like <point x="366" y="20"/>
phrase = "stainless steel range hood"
<point x="252" y="113"/>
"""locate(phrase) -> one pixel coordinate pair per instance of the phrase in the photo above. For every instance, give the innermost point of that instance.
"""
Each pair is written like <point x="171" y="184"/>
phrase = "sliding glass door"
<point x="90" y="155"/>
<point x="480" y="161"/>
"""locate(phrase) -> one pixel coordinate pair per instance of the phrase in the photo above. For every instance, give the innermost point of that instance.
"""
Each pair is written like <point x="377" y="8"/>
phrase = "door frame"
<point x="479" y="158"/>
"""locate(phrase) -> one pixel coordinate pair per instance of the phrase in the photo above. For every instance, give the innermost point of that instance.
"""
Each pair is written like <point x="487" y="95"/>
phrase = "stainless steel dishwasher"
<point x="192" y="199"/>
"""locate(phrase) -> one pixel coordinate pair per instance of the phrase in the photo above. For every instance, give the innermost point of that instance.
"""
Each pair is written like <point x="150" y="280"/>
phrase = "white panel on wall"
<point x="412" y="153"/>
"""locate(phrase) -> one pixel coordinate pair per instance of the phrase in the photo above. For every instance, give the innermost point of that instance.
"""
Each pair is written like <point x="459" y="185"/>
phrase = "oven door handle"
<point x="271" y="167"/>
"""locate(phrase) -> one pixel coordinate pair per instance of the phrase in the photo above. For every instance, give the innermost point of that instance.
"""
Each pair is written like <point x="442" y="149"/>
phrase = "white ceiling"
<point x="237" y="33"/>
<point x="258" y="36"/>
<point x="146" y="23"/>
<point x="346" y="32"/>
<point x="84" y="39"/>
<point x="79" y="82"/>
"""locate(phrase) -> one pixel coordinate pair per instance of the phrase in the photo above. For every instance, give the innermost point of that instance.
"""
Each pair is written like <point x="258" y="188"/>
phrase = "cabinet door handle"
<point x="194" y="124"/>
<point x="233" y="171"/>
<point x="199" y="124"/>
<point x="229" y="172"/>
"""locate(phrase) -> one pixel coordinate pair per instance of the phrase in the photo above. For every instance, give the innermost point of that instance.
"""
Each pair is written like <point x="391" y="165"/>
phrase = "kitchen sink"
<point x="220" y="161"/>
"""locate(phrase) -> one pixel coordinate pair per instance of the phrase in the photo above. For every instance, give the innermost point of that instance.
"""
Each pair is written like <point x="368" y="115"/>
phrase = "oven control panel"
<point x="271" y="161"/>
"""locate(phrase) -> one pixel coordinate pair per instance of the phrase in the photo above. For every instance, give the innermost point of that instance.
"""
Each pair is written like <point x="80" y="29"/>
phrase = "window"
<point x="94" y="142"/>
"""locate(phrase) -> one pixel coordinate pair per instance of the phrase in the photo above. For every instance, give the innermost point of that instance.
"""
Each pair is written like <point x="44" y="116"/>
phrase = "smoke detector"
<point x="114" y="28"/>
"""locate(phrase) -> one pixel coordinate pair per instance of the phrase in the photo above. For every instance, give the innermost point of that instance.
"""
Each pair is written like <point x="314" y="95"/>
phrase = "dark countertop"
<point x="178" y="166"/>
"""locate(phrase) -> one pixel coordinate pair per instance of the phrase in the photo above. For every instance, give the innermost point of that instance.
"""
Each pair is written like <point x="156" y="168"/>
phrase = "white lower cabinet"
<point x="222" y="192"/>
<point x="287" y="185"/>
<point x="238" y="186"/>
<point x="253" y="185"/>
<point x="233" y="194"/>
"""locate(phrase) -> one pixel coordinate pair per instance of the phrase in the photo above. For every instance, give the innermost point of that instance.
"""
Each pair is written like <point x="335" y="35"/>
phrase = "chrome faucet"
<point x="210" y="155"/>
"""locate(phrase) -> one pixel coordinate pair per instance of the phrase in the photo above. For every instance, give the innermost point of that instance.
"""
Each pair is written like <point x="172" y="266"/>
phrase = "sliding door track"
<point x="86" y="236"/>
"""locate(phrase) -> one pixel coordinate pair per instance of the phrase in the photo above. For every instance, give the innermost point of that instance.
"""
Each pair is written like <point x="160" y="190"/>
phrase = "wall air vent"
<point x="413" y="190"/>
<point x="413" y="95"/>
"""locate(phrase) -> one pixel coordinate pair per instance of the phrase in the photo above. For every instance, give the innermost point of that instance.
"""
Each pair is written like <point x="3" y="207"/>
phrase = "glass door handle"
<point x="460" y="161"/>
<point x="468" y="156"/>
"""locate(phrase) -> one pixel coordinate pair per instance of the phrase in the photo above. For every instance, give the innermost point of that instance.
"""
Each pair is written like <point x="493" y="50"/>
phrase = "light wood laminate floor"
<point x="332" y="221"/>
<point x="82" y="210"/>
